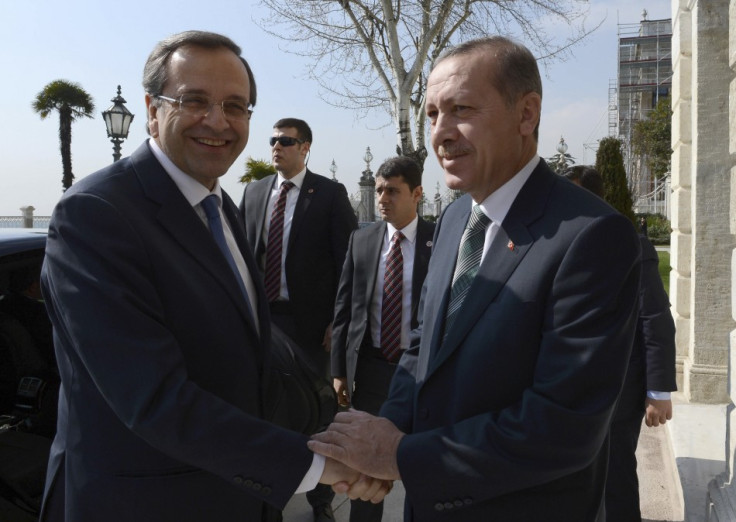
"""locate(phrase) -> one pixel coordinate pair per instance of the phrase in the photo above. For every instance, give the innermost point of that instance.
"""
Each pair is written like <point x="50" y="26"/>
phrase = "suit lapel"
<point x="511" y="243"/>
<point x="422" y="253"/>
<point x="371" y="250"/>
<point x="181" y="221"/>
<point x="306" y="193"/>
<point x="259" y="203"/>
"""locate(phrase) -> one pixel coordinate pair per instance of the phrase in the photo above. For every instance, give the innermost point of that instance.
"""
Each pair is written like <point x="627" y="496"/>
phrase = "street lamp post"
<point x="333" y="169"/>
<point x="117" y="120"/>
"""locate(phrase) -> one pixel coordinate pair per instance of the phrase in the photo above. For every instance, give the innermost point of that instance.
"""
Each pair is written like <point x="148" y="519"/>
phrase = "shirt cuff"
<point x="311" y="479"/>
<point x="659" y="396"/>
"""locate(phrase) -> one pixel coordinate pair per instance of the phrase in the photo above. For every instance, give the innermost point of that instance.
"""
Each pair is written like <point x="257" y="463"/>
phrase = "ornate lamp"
<point x="117" y="120"/>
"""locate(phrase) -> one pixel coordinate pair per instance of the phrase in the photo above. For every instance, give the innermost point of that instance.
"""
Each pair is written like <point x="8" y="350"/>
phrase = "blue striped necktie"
<point x="468" y="262"/>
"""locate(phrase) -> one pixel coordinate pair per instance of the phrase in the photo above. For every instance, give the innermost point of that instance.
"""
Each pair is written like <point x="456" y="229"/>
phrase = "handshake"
<point x="360" y="451"/>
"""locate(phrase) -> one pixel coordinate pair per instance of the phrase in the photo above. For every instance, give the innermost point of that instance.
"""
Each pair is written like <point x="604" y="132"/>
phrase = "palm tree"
<point x="72" y="102"/>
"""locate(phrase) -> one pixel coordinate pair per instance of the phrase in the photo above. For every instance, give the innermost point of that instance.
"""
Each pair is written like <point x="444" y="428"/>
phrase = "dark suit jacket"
<point x="355" y="293"/>
<point x="161" y="398"/>
<point x="320" y="231"/>
<point x="507" y="419"/>
<point x="652" y="363"/>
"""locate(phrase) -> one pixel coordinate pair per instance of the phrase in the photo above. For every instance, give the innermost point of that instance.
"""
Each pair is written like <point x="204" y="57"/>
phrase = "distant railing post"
<point x="27" y="216"/>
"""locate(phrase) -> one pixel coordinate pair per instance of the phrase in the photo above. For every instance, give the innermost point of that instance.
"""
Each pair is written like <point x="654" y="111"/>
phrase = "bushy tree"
<point x="256" y="169"/>
<point x="652" y="138"/>
<point x="71" y="102"/>
<point x="609" y="162"/>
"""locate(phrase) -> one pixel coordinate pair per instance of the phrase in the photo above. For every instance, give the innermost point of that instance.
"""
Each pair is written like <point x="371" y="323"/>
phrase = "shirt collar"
<point x="409" y="231"/>
<point x="297" y="180"/>
<point x="498" y="203"/>
<point x="193" y="190"/>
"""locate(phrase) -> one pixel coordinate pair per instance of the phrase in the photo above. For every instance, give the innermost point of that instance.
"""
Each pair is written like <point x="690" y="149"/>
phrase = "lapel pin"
<point x="429" y="244"/>
<point x="511" y="245"/>
<point x="310" y="190"/>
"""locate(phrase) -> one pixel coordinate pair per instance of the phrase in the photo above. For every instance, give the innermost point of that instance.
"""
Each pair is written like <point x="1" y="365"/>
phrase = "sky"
<point x="101" y="44"/>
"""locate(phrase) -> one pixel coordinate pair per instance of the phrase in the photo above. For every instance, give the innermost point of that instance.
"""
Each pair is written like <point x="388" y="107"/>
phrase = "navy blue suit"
<point x="508" y="418"/>
<point x="161" y="365"/>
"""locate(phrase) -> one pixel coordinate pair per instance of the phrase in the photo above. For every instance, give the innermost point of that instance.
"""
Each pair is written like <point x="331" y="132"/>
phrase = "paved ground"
<point x="661" y="496"/>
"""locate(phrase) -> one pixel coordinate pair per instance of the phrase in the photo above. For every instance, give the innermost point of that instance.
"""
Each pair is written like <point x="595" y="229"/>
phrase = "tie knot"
<point x="397" y="237"/>
<point x="286" y="186"/>
<point x="209" y="205"/>
<point x="478" y="220"/>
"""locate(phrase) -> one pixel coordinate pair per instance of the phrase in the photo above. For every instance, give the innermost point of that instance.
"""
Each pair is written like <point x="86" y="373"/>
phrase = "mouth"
<point x="211" y="142"/>
<point x="450" y="152"/>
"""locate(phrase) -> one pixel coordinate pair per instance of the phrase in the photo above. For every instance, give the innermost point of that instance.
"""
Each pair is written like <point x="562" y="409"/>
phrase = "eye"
<point x="194" y="102"/>
<point x="235" y="108"/>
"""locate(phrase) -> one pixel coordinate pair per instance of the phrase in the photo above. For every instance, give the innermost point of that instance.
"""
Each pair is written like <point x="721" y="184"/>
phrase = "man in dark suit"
<point x="650" y="377"/>
<point x="160" y="329"/>
<point x="501" y="409"/>
<point x="298" y="225"/>
<point x="378" y="297"/>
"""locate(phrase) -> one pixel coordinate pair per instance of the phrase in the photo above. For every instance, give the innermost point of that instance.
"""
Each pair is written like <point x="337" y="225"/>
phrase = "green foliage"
<point x="658" y="229"/>
<point x="652" y="138"/>
<point x="256" y="169"/>
<point x="71" y="102"/>
<point x="609" y="162"/>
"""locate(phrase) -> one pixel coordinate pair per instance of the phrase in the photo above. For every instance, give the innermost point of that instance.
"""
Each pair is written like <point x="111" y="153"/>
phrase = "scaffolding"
<point x="644" y="76"/>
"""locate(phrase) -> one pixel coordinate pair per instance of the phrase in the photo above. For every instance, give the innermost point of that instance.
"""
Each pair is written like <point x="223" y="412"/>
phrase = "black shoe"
<point x="323" y="513"/>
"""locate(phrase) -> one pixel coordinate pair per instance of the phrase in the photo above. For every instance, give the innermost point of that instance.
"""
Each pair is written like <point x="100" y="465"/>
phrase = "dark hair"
<point x="516" y="72"/>
<point x="155" y="72"/>
<point x="401" y="166"/>
<point x="587" y="177"/>
<point x="303" y="132"/>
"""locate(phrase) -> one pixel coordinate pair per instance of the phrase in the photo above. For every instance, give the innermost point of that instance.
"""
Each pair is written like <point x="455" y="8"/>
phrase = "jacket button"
<point x="265" y="490"/>
<point x="449" y="505"/>
<point x="459" y="503"/>
<point x="439" y="506"/>
<point x="237" y="480"/>
<point x="248" y="483"/>
<point x="468" y="501"/>
<point x="257" y="486"/>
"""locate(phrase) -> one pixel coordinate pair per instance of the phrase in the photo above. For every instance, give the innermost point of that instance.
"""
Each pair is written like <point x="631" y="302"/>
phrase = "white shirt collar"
<point x="192" y="189"/>
<point x="497" y="205"/>
<point x="409" y="231"/>
<point x="297" y="180"/>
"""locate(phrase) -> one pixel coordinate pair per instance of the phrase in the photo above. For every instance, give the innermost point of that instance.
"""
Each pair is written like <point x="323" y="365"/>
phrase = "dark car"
<point x="29" y="380"/>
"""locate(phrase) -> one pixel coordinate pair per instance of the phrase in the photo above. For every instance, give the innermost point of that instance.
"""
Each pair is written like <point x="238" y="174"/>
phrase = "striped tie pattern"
<point x="393" y="283"/>
<point x="275" y="244"/>
<point x="468" y="261"/>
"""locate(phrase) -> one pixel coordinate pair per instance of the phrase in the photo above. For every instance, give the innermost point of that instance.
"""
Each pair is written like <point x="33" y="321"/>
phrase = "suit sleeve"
<point x="108" y="315"/>
<point x="343" y="222"/>
<point x="656" y="326"/>
<point x="341" y="320"/>
<point x="586" y="313"/>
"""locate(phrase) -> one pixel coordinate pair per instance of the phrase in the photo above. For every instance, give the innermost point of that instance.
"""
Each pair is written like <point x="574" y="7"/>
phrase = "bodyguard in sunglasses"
<point x="298" y="225"/>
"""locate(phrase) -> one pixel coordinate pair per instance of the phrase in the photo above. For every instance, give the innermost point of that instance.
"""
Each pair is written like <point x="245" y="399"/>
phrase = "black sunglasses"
<point x="284" y="141"/>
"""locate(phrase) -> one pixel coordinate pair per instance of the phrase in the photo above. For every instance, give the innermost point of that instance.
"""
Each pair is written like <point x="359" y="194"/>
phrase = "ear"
<point x="530" y="109"/>
<point x="416" y="194"/>
<point x="152" y="113"/>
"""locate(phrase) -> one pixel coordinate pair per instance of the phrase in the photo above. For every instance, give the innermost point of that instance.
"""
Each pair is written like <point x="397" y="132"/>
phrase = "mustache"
<point x="450" y="151"/>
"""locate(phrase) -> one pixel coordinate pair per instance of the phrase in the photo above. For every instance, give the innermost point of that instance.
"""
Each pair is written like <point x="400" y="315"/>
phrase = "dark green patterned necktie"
<point x="468" y="261"/>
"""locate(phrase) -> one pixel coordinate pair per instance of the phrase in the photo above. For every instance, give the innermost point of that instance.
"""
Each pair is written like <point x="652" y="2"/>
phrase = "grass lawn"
<point x="664" y="269"/>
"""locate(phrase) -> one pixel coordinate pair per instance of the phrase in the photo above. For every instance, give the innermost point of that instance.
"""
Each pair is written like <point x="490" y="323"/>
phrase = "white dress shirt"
<point x="407" y="253"/>
<point x="291" y="198"/>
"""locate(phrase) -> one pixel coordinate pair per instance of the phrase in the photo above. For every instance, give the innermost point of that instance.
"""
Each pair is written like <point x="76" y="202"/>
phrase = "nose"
<point x="443" y="129"/>
<point x="215" y="118"/>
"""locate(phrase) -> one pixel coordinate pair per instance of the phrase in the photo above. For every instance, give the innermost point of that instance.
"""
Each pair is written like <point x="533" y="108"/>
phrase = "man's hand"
<point x="366" y="443"/>
<point x="341" y="389"/>
<point x="658" y="412"/>
<point x="327" y="339"/>
<point x="346" y="480"/>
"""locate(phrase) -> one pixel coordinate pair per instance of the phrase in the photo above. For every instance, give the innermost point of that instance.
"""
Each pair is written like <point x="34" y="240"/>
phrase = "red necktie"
<point x="275" y="245"/>
<point x="393" y="280"/>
